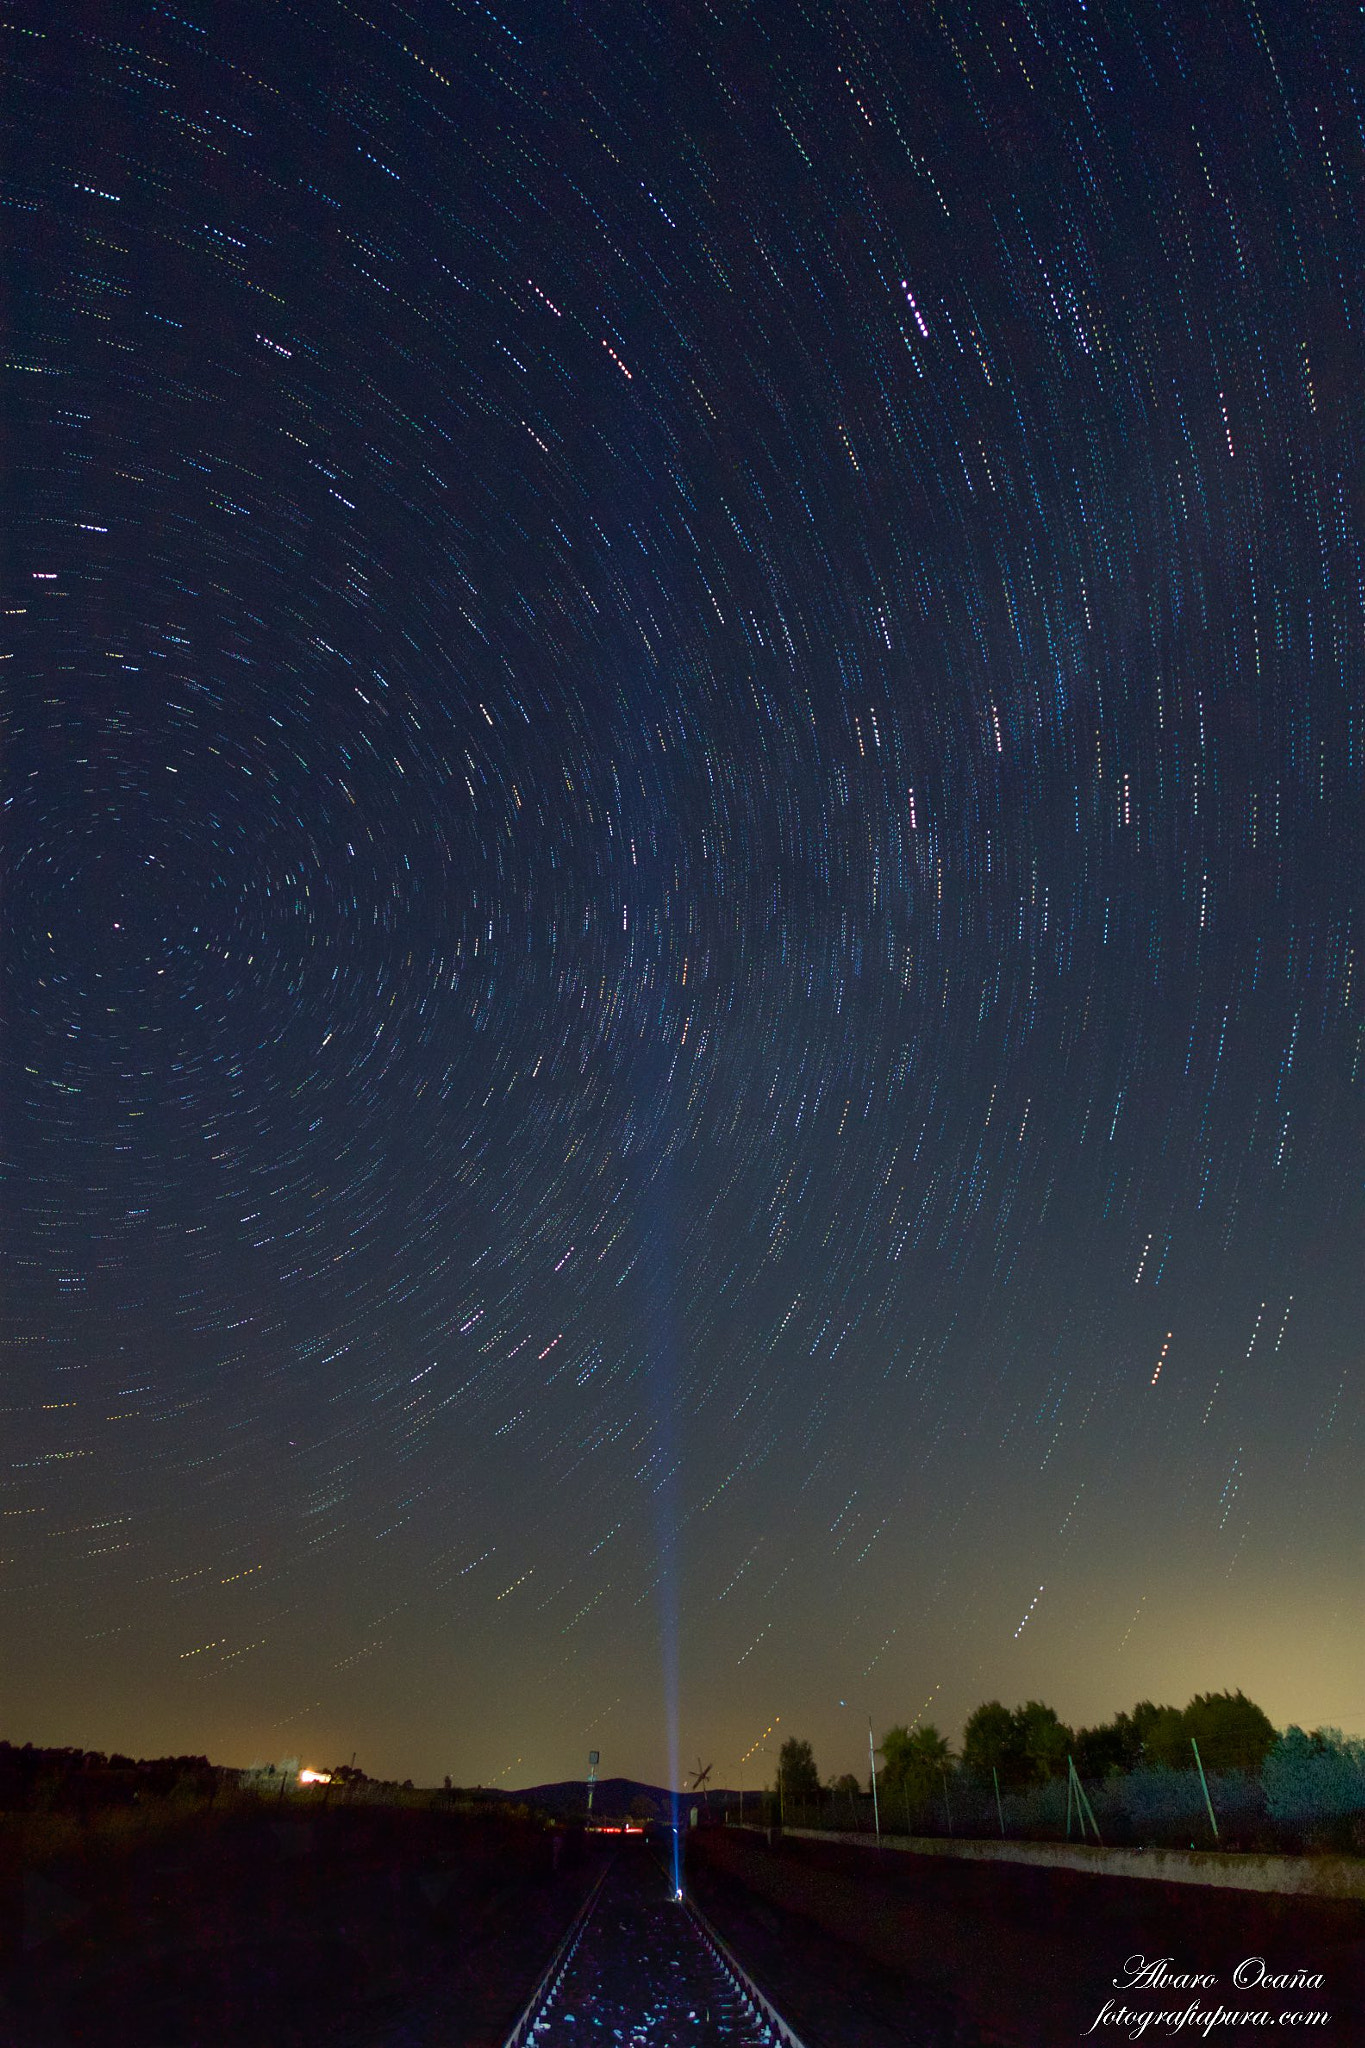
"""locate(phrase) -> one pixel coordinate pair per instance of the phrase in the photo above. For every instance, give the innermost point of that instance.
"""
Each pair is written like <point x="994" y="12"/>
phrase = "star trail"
<point x="681" y="783"/>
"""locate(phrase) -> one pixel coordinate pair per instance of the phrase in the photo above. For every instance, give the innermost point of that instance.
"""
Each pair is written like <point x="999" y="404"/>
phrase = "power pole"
<point x="872" y="1765"/>
<point x="1213" y="1818"/>
<point x="594" y="1757"/>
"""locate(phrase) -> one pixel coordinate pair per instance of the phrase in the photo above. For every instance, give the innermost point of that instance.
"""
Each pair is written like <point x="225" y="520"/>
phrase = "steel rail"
<point x="548" y="1981"/>
<point x="749" y="1991"/>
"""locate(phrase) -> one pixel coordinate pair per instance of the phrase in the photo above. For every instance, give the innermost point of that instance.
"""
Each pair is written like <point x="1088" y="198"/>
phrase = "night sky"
<point x="681" y="863"/>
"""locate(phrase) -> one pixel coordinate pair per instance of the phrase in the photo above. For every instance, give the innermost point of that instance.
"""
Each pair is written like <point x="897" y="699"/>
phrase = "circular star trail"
<point x="681" y="854"/>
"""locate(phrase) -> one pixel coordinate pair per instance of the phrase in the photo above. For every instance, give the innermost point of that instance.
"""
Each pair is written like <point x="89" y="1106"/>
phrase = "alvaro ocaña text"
<point x="1252" y="1973"/>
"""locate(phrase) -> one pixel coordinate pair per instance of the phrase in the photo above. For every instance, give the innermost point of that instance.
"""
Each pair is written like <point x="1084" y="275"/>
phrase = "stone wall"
<point x="1329" y="1877"/>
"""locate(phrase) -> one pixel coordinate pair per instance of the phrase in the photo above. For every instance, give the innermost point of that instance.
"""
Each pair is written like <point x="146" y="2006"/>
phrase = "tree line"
<point x="1018" y="1748"/>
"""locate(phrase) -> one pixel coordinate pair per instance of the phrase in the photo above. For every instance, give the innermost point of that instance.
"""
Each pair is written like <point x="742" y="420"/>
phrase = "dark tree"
<point x="1110" y="1747"/>
<point x="1160" y="1736"/>
<point x="913" y="1760"/>
<point x="1232" y="1732"/>
<point x="1046" y="1741"/>
<point x="990" y="1741"/>
<point x="797" y="1778"/>
<point x="1025" y="1746"/>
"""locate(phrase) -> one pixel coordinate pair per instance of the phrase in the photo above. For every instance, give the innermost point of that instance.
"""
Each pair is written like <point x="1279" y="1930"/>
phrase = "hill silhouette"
<point x="613" y="1799"/>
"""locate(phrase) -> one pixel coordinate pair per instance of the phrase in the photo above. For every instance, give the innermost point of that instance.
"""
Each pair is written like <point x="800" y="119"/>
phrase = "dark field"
<point x="274" y="1929"/>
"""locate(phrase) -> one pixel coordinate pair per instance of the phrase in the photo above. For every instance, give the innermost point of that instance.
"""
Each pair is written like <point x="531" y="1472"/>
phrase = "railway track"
<point x="641" y="1967"/>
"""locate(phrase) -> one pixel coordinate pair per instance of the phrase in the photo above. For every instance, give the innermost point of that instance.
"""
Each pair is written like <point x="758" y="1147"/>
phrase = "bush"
<point x="1316" y="1777"/>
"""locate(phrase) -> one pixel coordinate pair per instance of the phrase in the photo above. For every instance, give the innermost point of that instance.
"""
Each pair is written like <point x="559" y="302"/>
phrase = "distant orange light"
<point x="315" y="1777"/>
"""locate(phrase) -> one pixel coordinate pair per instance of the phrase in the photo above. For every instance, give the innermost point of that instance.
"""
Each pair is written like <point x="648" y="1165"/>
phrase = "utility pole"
<point x="872" y="1765"/>
<point x="1084" y="1809"/>
<point x="594" y="1757"/>
<point x="1213" y="1818"/>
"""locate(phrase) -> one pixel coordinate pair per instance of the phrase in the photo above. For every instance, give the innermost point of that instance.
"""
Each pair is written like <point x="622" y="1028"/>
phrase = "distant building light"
<point x="315" y="1777"/>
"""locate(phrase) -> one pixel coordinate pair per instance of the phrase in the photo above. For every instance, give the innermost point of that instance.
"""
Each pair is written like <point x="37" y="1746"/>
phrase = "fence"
<point x="1306" y="1798"/>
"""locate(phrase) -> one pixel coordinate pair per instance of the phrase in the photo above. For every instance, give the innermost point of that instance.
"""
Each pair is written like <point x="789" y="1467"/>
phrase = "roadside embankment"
<point x="1032" y="1953"/>
<point x="1327" y="1877"/>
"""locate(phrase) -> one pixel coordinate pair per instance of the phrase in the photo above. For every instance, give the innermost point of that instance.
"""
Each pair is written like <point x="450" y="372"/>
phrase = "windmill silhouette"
<point x="699" y="1778"/>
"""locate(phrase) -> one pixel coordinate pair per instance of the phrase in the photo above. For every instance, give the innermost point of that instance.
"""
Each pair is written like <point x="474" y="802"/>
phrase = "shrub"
<point x="1314" y="1777"/>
